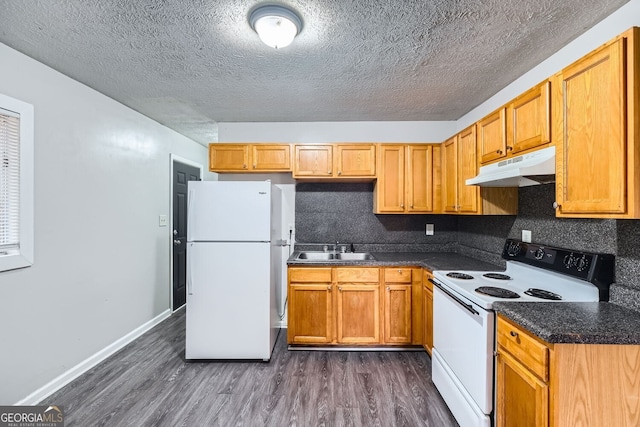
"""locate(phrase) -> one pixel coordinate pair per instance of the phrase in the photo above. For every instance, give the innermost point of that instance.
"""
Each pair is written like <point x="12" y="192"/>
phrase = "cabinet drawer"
<point x="309" y="275"/>
<point x="524" y="347"/>
<point x="357" y="275"/>
<point x="397" y="275"/>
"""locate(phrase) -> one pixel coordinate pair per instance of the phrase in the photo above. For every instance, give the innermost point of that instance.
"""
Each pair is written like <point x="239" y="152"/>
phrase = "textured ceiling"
<point x="191" y="64"/>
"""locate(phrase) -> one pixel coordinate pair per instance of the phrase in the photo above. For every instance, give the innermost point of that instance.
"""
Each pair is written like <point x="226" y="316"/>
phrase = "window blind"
<point x="9" y="182"/>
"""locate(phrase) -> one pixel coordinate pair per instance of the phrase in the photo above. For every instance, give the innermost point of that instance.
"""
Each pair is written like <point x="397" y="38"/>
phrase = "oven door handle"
<point x="466" y="306"/>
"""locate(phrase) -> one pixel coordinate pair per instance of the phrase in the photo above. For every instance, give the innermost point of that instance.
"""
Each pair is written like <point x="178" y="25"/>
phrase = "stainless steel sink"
<point x="354" y="256"/>
<point x="340" y="256"/>
<point x="316" y="256"/>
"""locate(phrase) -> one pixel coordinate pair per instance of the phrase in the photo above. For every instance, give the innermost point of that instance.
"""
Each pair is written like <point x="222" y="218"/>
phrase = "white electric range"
<point x="464" y="322"/>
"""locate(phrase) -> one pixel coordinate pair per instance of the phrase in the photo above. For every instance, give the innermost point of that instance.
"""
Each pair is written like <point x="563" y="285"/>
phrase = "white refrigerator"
<point x="234" y="264"/>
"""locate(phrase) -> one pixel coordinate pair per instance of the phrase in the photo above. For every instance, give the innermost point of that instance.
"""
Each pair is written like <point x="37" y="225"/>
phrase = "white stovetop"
<point x="523" y="277"/>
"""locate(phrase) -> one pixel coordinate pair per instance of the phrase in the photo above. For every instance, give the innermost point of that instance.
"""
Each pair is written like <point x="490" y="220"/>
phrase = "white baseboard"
<point x="82" y="367"/>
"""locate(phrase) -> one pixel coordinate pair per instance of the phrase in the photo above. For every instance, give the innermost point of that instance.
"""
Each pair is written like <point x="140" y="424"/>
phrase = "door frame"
<point x="179" y="159"/>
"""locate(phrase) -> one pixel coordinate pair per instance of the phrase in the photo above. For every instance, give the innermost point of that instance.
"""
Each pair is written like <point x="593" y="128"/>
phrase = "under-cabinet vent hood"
<point x="538" y="167"/>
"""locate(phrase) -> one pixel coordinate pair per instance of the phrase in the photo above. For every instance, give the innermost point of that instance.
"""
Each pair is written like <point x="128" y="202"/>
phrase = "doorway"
<point x="182" y="171"/>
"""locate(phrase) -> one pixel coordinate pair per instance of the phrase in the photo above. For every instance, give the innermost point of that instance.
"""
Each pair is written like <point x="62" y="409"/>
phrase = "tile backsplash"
<point x="326" y="212"/>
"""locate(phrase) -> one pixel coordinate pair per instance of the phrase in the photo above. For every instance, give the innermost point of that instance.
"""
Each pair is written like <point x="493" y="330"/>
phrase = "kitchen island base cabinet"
<point x="564" y="385"/>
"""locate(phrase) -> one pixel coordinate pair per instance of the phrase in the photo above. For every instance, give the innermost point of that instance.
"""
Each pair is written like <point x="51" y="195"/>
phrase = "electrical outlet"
<point x="162" y="221"/>
<point x="526" y="236"/>
<point x="429" y="231"/>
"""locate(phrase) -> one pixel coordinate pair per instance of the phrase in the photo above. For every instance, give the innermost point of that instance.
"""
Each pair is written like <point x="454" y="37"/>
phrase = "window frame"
<point x="25" y="254"/>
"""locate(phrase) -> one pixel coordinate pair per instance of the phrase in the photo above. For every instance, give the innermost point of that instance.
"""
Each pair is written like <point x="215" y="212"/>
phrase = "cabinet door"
<point x="310" y="314"/>
<point x="529" y="123"/>
<point x="358" y="312"/>
<point x="468" y="195"/>
<point x="419" y="178"/>
<point x="522" y="399"/>
<point x="492" y="136"/>
<point x="356" y="160"/>
<point x="271" y="157"/>
<point x="427" y="307"/>
<point x="397" y="313"/>
<point x="313" y="161"/>
<point x="389" y="187"/>
<point x="450" y="175"/>
<point x="591" y="156"/>
<point x="228" y="157"/>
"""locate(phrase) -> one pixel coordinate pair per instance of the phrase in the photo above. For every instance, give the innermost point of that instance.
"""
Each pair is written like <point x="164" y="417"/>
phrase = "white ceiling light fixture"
<point x="276" y="26"/>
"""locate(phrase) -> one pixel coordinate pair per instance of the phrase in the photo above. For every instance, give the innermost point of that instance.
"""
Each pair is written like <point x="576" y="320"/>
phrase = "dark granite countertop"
<point x="575" y="322"/>
<point x="429" y="260"/>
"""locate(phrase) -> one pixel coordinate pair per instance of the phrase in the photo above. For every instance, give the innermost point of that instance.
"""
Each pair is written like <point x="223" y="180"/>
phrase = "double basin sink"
<point x="334" y="256"/>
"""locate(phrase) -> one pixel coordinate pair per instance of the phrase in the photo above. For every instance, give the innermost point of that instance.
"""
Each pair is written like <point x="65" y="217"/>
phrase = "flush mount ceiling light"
<point x="277" y="26"/>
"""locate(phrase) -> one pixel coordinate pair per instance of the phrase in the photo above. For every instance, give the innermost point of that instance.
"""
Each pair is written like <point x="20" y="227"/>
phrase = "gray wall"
<point x="101" y="269"/>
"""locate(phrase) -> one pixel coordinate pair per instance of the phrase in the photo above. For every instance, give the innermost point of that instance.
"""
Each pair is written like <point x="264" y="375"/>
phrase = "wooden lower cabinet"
<point x="355" y="306"/>
<point x="427" y="310"/>
<point x="358" y="313"/>
<point x="397" y="305"/>
<point x="564" y="385"/>
<point x="310" y="306"/>
<point x="524" y="398"/>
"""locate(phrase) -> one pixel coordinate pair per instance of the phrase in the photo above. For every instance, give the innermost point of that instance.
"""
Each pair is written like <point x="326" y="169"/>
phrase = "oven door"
<point x="463" y="335"/>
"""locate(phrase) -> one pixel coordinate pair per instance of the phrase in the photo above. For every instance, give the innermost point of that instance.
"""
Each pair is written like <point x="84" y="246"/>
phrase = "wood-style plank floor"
<point x="148" y="383"/>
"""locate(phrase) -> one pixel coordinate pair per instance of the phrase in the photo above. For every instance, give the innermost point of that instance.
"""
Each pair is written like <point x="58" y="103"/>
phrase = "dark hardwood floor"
<point x="148" y="383"/>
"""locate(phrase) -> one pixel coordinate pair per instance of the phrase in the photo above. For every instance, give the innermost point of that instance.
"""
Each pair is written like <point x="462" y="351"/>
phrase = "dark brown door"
<point x="182" y="173"/>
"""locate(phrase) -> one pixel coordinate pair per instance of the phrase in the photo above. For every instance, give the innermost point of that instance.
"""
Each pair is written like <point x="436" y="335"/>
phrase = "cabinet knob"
<point x="388" y="288"/>
<point x="329" y="172"/>
<point x="499" y="151"/>
<point x="399" y="271"/>
<point x="411" y="206"/>
<point x="244" y="166"/>
<point x="339" y="172"/>
<point x="513" y="333"/>
<point x="176" y="242"/>
<point x="402" y="205"/>
<point x="340" y="288"/>
<point x="509" y="148"/>
<point x="329" y="287"/>
<point x="556" y="205"/>
<point x="254" y="165"/>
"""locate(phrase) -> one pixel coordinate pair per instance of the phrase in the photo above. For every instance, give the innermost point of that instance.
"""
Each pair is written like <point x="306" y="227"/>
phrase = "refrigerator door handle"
<point x="189" y="273"/>
<point x="190" y="213"/>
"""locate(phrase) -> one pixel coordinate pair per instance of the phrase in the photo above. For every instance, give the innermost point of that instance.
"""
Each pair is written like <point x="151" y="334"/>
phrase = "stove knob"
<point x="513" y="249"/>
<point x="539" y="254"/>
<point x="569" y="261"/>
<point x="582" y="264"/>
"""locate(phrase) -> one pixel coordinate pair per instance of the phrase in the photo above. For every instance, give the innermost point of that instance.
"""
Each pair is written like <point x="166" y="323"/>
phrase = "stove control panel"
<point x="596" y="268"/>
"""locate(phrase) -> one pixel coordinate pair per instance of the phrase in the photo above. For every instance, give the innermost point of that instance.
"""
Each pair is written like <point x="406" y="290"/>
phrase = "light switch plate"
<point x="526" y="236"/>
<point x="162" y="221"/>
<point x="429" y="230"/>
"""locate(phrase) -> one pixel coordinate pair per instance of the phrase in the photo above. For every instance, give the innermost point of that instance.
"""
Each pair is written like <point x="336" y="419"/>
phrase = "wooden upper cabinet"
<point x="468" y="195"/>
<point x="271" y="157"/>
<point x="492" y="136"/>
<point x="334" y="161"/>
<point x="408" y="177"/>
<point x="389" y="188"/>
<point x="529" y="119"/>
<point x="228" y="157"/>
<point x="598" y="133"/>
<point x="313" y="161"/>
<point x="355" y="160"/>
<point x="419" y="178"/>
<point x="522" y="125"/>
<point x="450" y="175"/>
<point x="249" y="158"/>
